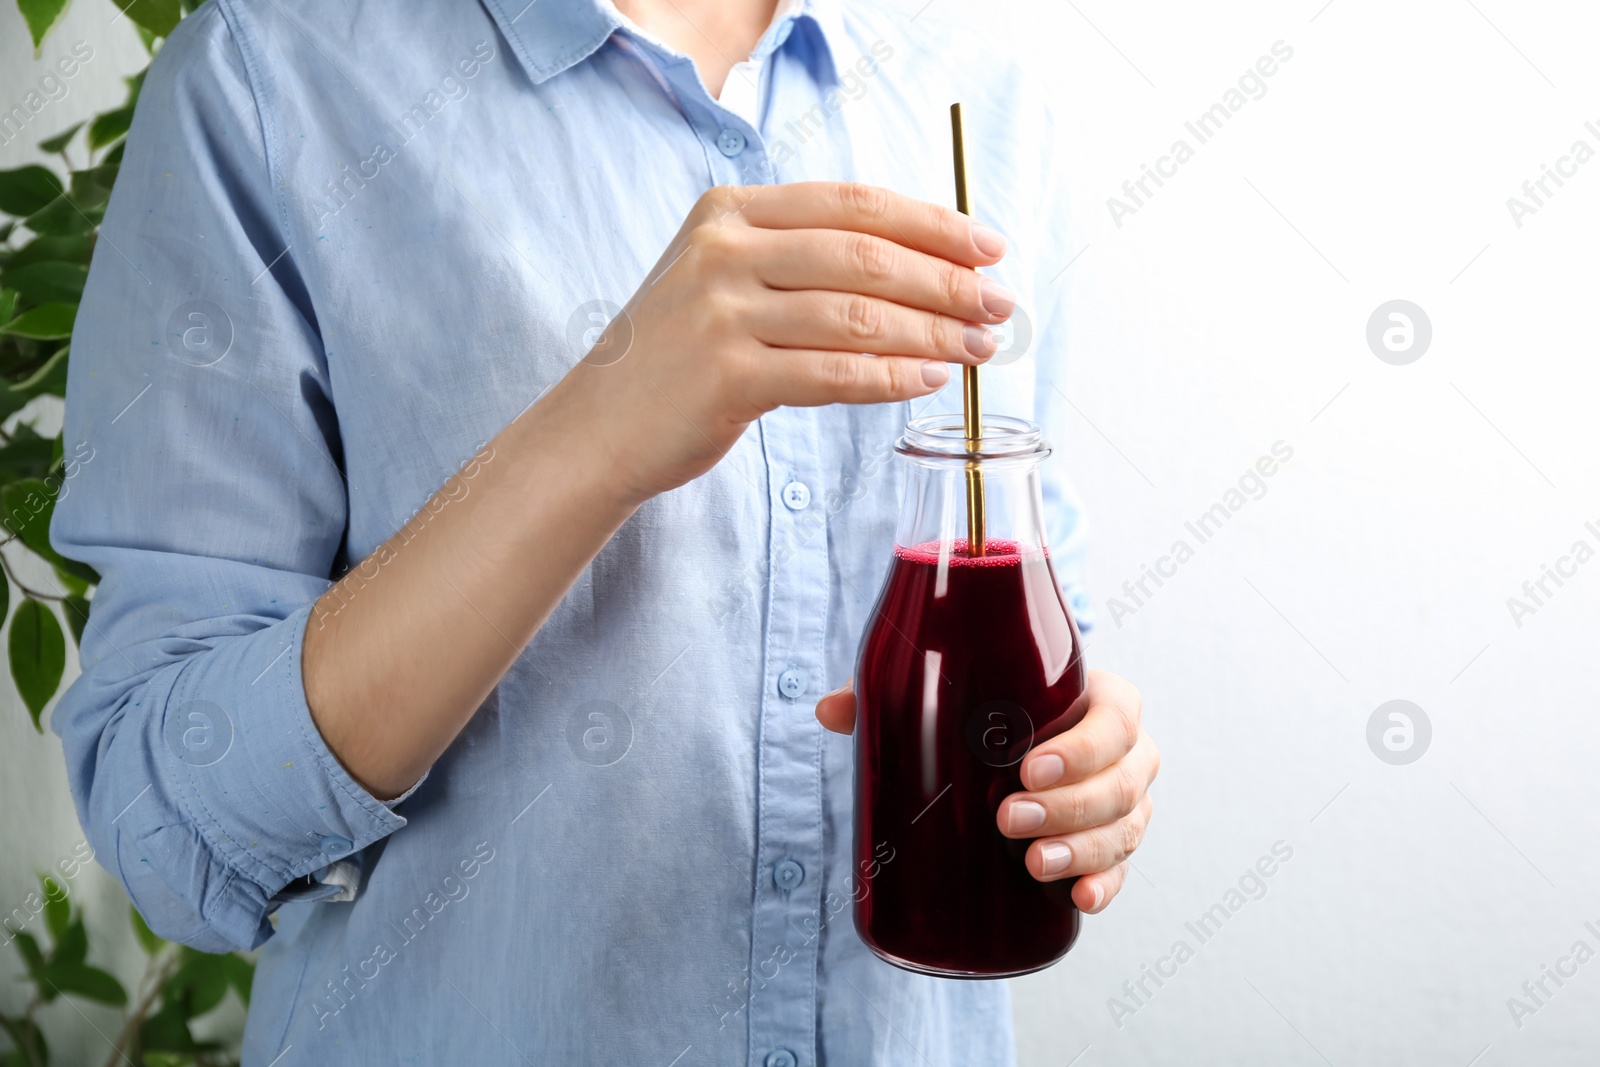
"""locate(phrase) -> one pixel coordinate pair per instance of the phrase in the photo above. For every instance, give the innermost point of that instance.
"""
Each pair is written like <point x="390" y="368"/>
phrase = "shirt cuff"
<point x="339" y="882"/>
<point x="249" y="774"/>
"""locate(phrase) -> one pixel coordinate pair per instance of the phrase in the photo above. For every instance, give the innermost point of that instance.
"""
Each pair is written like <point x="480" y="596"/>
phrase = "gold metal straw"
<point x="971" y="405"/>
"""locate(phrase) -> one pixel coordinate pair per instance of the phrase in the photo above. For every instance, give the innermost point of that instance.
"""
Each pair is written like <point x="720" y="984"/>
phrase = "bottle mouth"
<point x="945" y="437"/>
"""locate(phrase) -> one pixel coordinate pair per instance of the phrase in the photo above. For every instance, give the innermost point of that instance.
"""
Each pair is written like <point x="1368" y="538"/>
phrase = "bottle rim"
<point x="945" y="437"/>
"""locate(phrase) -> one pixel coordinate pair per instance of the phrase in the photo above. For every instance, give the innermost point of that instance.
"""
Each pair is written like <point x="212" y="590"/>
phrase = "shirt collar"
<point x="548" y="36"/>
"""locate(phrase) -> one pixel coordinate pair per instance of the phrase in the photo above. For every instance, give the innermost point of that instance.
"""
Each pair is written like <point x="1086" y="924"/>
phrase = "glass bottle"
<point x="970" y="659"/>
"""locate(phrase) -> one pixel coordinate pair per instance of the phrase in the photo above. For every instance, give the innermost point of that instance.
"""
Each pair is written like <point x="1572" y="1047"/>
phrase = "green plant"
<point x="48" y="228"/>
<point x="46" y="239"/>
<point x="178" y="986"/>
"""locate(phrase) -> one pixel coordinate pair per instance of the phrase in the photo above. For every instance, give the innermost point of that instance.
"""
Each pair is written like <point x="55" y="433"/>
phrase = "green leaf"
<point x="57" y="908"/>
<point x="48" y="377"/>
<point x="73" y="249"/>
<point x="157" y="16"/>
<point x="46" y="322"/>
<point x="28" y="948"/>
<point x="8" y="304"/>
<point x="24" y="1034"/>
<point x="86" y="575"/>
<point x="241" y="975"/>
<point x="76" y="609"/>
<point x="41" y="16"/>
<point x="27" y="458"/>
<point x="166" y="1031"/>
<point x="167" y="1059"/>
<point x="27" y="506"/>
<point x="58" y="143"/>
<point x="38" y="656"/>
<point x="110" y="125"/>
<point x="72" y="947"/>
<point x="51" y="377"/>
<point x="47" y="282"/>
<point x="64" y="217"/>
<point x="149" y="940"/>
<point x="5" y="595"/>
<point x="71" y="583"/>
<point x="92" y="187"/>
<point x="88" y="982"/>
<point x="199" y="983"/>
<point x="27" y="189"/>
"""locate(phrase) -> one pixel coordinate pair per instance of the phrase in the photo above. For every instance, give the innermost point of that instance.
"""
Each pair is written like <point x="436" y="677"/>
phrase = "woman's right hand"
<point x="770" y="295"/>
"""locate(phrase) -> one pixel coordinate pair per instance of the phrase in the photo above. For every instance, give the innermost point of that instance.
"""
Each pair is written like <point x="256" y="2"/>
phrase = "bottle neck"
<point x="934" y="515"/>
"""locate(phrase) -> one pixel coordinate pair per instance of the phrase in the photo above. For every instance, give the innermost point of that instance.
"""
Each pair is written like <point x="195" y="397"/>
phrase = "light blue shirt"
<point x="350" y="242"/>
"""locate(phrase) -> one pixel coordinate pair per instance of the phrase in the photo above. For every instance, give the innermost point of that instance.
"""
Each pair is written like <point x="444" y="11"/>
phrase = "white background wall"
<point x="1230" y="313"/>
<point x="1227" y="314"/>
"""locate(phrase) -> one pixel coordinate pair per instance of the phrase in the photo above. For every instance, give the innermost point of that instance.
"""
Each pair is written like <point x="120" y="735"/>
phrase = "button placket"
<point x="785" y="929"/>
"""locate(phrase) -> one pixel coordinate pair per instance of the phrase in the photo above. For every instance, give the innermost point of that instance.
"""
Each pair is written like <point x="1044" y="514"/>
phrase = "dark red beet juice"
<point x="967" y="663"/>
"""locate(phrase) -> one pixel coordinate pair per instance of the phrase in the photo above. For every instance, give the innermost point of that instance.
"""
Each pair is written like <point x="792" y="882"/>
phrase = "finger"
<point x="817" y="318"/>
<point x="862" y="263"/>
<point x="1100" y="799"/>
<point x="800" y="377"/>
<point x="1050" y="859"/>
<point x="1107" y="732"/>
<point x="837" y="710"/>
<point x="1095" y="891"/>
<point x="931" y="228"/>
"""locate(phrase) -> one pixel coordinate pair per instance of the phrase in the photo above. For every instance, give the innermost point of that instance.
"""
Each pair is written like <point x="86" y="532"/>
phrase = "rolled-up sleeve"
<point x="211" y="503"/>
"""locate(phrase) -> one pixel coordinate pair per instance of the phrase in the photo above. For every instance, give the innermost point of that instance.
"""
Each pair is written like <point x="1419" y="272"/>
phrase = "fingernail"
<point x="1024" y="816"/>
<point x="978" y="339"/>
<point x="1099" y="896"/>
<point x="1054" y="857"/>
<point x="997" y="300"/>
<point x="934" y="373"/>
<point x="1045" y="771"/>
<point x="988" y="239"/>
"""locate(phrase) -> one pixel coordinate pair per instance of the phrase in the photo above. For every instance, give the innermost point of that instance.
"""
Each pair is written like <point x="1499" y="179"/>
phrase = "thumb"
<point x="837" y="710"/>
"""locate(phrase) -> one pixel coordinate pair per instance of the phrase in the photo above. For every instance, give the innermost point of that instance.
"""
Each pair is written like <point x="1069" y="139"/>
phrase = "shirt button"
<point x="788" y="874"/>
<point x="781" y="1058"/>
<point x="333" y="844"/>
<point x="791" y="683"/>
<point x="730" y="142"/>
<point x="796" y="496"/>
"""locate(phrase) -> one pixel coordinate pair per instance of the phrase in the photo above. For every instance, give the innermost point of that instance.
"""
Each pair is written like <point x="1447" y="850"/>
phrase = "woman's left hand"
<point x="1088" y="799"/>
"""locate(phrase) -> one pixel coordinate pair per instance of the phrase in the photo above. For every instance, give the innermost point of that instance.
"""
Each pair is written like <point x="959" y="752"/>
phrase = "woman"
<point x="517" y="786"/>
